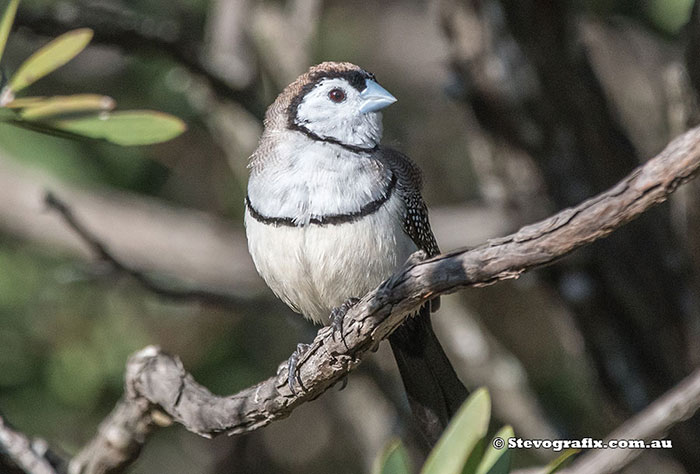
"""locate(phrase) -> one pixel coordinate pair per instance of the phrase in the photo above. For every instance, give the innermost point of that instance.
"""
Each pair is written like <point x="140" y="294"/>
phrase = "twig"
<point x="204" y="296"/>
<point x="19" y="448"/>
<point x="679" y="404"/>
<point x="155" y="379"/>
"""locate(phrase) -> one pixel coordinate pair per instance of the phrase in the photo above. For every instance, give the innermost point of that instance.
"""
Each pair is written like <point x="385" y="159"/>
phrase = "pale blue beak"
<point x="375" y="97"/>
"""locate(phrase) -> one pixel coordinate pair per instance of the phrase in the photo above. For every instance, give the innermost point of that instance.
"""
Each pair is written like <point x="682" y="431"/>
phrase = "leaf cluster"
<point x="79" y="115"/>
<point x="462" y="448"/>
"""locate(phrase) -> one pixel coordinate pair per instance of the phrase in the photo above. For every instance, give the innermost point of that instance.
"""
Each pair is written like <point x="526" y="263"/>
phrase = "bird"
<point x="330" y="213"/>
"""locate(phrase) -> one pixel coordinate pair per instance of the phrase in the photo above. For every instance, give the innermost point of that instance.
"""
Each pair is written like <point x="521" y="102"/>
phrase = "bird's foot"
<point x="338" y="316"/>
<point x="292" y="369"/>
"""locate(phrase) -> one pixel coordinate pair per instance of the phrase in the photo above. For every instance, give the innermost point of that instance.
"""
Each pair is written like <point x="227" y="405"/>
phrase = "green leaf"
<point x="131" y="127"/>
<point x="6" y="23"/>
<point x="497" y="461"/>
<point x="392" y="460"/>
<point x="7" y="114"/>
<point x="23" y="102"/>
<point x="50" y="57"/>
<point x="42" y="127"/>
<point x="461" y="437"/>
<point x="64" y="105"/>
<point x="561" y="461"/>
<point x="475" y="457"/>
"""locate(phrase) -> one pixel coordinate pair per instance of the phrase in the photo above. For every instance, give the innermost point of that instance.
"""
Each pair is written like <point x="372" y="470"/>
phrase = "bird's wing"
<point x="415" y="220"/>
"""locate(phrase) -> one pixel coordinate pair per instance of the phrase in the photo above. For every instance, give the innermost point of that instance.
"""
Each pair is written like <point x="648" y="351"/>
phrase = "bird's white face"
<point x="337" y="110"/>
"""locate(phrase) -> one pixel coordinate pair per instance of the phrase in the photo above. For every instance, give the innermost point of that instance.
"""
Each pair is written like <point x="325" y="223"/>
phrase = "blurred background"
<point x="513" y="109"/>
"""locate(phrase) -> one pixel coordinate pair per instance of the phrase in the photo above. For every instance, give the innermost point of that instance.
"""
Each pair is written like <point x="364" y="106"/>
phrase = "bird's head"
<point x="336" y="102"/>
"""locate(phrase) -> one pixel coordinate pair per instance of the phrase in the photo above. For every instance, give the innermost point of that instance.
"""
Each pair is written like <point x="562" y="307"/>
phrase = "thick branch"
<point x="155" y="379"/>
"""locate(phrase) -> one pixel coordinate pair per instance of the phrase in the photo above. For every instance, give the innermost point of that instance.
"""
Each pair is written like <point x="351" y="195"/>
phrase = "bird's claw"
<point x="292" y="369"/>
<point x="300" y="353"/>
<point x="338" y="316"/>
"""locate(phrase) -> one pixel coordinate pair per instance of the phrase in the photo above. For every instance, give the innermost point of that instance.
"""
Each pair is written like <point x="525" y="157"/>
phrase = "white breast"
<point x="316" y="268"/>
<point x="303" y="178"/>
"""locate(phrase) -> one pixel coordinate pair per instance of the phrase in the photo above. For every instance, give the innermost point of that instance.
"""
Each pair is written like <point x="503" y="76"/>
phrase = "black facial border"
<point x="356" y="78"/>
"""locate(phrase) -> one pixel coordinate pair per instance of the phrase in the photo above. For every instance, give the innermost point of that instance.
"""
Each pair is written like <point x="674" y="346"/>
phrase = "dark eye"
<point x="337" y="95"/>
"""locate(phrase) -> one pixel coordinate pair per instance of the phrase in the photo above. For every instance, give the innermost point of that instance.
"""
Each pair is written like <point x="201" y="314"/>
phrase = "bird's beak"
<point x="375" y="97"/>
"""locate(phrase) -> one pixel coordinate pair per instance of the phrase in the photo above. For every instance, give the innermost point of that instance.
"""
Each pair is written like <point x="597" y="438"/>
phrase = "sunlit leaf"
<point x="24" y="102"/>
<point x="8" y="17"/>
<point x="461" y="437"/>
<point x="133" y="127"/>
<point x="392" y="460"/>
<point x="497" y="460"/>
<point x="561" y="461"/>
<point x="50" y="57"/>
<point x="64" y="105"/>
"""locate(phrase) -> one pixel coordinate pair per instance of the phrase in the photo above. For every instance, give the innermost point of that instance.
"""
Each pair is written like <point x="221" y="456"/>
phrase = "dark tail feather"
<point x="434" y="391"/>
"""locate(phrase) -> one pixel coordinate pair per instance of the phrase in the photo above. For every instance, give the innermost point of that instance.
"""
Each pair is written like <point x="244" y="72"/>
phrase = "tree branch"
<point x="679" y="404"/>
<point x="156" y="381"/>
<point x="201" y="295"/>
<point x="152" y="235"/>
<point x="23" y="452"/>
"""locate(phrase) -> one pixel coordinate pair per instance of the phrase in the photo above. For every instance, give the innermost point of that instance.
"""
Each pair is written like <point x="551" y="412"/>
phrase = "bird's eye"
<point x="336" y="95"/>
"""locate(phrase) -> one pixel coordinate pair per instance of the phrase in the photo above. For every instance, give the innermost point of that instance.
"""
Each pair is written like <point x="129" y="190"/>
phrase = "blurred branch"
<point x="692" y="54"/>
<point x="100" y="249"/>
<point x="156" y="381"/>
<point x="283" y="36"/>
<point x="134" y="34"/>
<point x="679" y="404"/>
<point x="197" y="249"/>
<point x="22" y="451"/>
<point x="227" y="42"/>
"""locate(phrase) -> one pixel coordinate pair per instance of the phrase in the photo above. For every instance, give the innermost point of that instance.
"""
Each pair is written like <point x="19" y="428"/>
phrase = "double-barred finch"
<point x="330" y="214"/>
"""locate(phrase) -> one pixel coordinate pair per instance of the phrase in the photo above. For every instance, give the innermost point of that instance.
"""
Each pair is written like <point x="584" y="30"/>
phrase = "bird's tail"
<point x="433" y="389"/>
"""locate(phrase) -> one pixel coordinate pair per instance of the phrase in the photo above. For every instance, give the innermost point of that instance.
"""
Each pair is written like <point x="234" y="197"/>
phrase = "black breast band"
<point x="330" y="219"/>
<point x="319" y="138"/>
